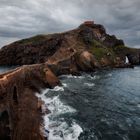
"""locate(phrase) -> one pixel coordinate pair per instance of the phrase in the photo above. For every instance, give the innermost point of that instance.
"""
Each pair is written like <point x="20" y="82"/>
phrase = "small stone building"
<point x="90" y="22"/>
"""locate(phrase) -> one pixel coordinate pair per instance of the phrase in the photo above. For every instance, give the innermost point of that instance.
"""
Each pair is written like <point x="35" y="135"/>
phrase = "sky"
<point x="24" y="18"/>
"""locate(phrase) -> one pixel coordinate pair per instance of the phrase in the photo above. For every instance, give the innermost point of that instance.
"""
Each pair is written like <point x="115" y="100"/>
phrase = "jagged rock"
<point x="112" y="41"/>
<point x="105" y="62"/>
<point x="86" y="61"/>
<point x="86" y="34"/>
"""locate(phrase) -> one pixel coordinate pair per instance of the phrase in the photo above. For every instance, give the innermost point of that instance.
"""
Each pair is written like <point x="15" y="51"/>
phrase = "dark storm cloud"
<point x="20" y="19"/>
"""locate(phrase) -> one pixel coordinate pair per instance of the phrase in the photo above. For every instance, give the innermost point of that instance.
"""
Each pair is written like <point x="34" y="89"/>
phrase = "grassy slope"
<point x="100" y="51"/>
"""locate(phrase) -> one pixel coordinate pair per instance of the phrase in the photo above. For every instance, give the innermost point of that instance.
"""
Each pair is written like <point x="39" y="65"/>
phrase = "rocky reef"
<point x="86" y="48"/>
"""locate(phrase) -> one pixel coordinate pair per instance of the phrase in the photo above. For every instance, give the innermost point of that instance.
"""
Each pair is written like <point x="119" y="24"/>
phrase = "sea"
<point x="103" y="105"/>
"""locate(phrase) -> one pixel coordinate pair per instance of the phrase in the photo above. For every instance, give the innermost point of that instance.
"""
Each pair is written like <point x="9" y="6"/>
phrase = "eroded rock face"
<point x="86" y="34"/>
<point x="20" y="109"/>
<point x="112" y="41"/>
<point x="86" y="61"/>
<point x="134" y="58"/>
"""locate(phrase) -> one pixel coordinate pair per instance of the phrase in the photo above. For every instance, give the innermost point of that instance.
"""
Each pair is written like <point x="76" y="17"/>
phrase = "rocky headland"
<point x="42" y="59"/>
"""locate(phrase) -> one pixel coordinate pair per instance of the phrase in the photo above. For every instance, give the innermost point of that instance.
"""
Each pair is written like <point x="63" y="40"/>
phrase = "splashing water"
<point x="126" y="60"/>
<point x="56" y="128"/>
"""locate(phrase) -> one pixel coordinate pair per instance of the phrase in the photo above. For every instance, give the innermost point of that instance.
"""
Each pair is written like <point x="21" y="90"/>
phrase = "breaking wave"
<point x="89" y="84"/>
<point x="56" y="128"/>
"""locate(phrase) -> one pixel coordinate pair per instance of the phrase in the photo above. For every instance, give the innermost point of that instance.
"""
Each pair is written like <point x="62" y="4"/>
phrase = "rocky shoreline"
<point x="45" y="57"/>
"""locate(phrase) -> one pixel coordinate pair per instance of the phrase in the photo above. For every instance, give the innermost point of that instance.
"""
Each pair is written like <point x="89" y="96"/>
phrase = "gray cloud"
<point x="21" y="19"/>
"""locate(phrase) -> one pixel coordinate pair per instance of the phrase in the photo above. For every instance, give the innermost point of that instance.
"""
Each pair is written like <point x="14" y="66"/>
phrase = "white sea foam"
<point x="63" y="132"/>
<point x="89" y="84"/>
<point x="58" y="88"/>
<point x="126" y="60"/>
<point x="64" y="85"/>
<point x="73" y="76"/>
<point x="58" y="129"/>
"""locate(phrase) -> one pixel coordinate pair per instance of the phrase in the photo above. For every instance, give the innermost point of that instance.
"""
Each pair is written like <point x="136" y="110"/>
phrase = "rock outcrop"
<point x="86" y="48"/>
<point x="20" y="109"/>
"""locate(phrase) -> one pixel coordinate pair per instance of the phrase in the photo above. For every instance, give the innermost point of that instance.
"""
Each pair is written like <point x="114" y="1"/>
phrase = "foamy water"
<point x="89" y="84"/>
<point x="126" y="60"/>
<point x="72" y="76"/>
<point x="54" y="128"/>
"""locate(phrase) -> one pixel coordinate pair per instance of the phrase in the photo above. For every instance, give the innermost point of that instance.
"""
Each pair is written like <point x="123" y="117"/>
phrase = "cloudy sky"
<point x="23" y="18"/>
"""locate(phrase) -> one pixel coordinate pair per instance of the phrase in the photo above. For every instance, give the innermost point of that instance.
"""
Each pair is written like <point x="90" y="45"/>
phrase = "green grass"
<point x="99" y="50"/>
<point x="96" y="43"/>
<point x="124" y="50"/>
<point x="96" y="50"/>
<point x="32" y="40"/>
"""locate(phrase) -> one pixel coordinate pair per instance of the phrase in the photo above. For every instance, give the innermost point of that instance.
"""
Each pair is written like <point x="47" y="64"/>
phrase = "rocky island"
<point x="41" y="60"/>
